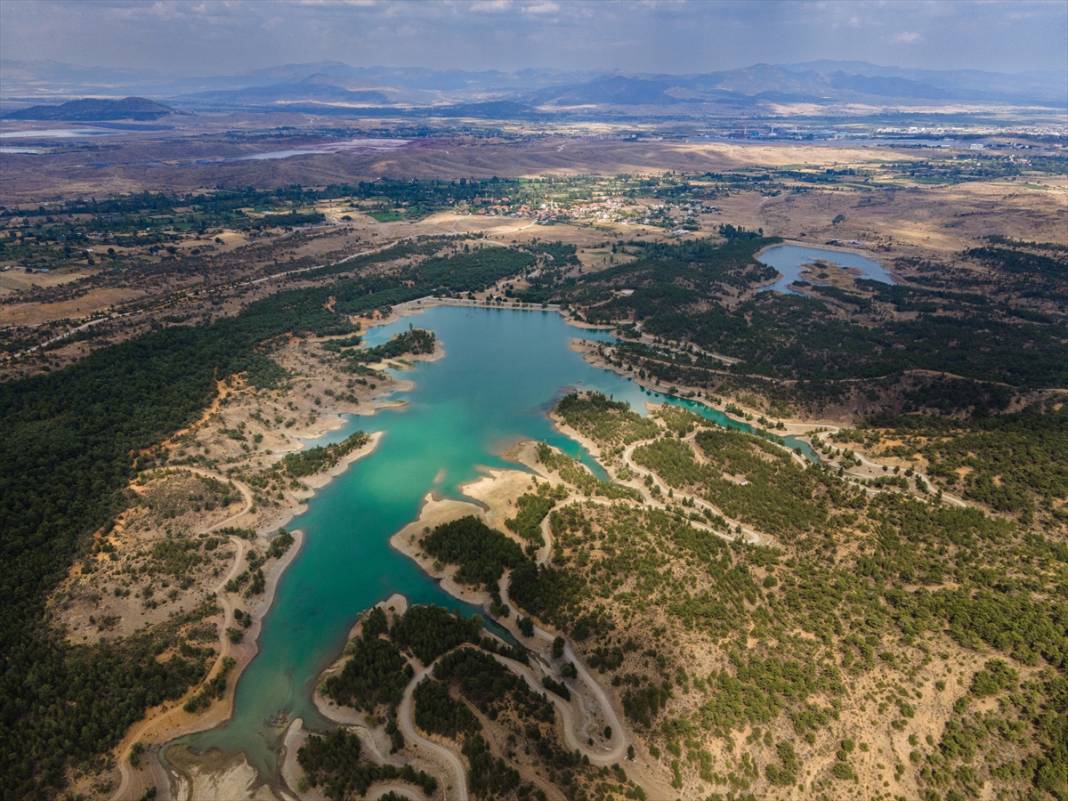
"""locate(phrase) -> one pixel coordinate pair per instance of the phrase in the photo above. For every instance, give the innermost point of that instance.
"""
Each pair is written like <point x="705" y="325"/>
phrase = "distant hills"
<point x="318" y="87"/>
<point x="821" y="82"/>
<point x="94" y="110"/>
<point x="620" y="90"/>
<point x="334" y="87"/>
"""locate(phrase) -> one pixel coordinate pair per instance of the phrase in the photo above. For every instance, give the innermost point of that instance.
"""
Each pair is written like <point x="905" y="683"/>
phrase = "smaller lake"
<point x="54" y="133"/>
<point x="789" y="260"/>
<point x="344" y="146"/>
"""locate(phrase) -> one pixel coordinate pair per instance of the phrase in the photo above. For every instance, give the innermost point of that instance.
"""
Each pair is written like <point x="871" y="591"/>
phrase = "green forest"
<point x="73" y="439"/>
<point x="676" y="291"/>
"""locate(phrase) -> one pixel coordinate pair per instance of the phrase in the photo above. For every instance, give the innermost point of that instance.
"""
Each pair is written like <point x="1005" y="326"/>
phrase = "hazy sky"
<point x="212" y="36"/>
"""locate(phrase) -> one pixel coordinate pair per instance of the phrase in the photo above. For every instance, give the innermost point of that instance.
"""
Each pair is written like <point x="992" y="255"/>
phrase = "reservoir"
<point x="502" y="372"/>
<point x="789" y="259"/>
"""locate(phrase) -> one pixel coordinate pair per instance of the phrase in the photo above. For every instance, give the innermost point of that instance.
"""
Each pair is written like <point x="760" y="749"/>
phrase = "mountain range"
<point x="322" y="85"/>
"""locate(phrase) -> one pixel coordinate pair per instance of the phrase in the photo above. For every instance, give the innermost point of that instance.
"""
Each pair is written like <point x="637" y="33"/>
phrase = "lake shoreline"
<point x="789" y="273"/>
<point x="295" y="504"/>
<point x="473" y="339"/>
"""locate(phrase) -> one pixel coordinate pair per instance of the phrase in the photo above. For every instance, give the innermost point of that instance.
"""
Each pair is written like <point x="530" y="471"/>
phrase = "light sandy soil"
<point x="17" y="279"/>
<point x="592" y="707"/>
<point x="295" y="737"/>
<point x="217" y="778"/>
<point x="912" y="221"/>
<point x="169" y="721"/>
<point x="456" y="769"/>
<point x="92" y="302"/>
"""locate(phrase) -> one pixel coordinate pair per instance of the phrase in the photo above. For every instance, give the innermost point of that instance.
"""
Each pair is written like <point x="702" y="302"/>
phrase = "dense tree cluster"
<point x="333" y="762"/>
<point x="438" y="712"/>
<point x="606" y="420"/>
<point x="675" y="291"/>
<point x="482" y="553"/>
<point x="414" y="340"/>
<point x="531" y="511"/>
<point x="553" y="595"/>
<point x="322" y="457"/>
<point x="490" y="686"/>
<point x="430" y="631"/>
<point x="375" y="674"/>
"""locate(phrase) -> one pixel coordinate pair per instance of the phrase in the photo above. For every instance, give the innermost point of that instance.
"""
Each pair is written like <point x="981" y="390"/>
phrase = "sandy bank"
<point x="170" y="721"/>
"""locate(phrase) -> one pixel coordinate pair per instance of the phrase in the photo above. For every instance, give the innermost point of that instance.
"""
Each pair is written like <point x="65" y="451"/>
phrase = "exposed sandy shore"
<point x="497" y="490"/>
<point x="421" y="752"/>
<point x="170" y="721"/>
<point x="434" y="512"/>
<point x="593" y="705"/>
<point x="295" y="737"/>
<point x="793" y="426"/>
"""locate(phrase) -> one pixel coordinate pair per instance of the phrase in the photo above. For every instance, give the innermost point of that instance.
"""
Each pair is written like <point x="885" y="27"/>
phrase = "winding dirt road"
<point x="134" y="783"/>
<point x="617" y="745"/>
<point x="748" y="533"/>
<point x="446" y="756"/>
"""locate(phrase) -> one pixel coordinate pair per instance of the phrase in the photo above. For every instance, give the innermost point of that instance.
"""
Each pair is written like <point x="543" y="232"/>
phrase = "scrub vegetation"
<point x="768" y="626"/>
<point x="322" y="457"/>
<point x="867" y="642"/>
<point x="1013" y="463"/>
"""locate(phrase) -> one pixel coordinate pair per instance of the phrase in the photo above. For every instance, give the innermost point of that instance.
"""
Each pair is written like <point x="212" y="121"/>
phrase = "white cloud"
<point x="543" y="7"/>
<point x="358" y="3"/>
<point x="908" y="37"/>
<point x="490" y="6"/>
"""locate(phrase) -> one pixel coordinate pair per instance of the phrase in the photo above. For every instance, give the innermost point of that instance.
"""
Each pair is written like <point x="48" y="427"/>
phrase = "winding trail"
<point x="617" y="744"/>
<point x="133" y="783"/>
<point x="452" y="761"/>
<point x="447" y="757"/>
<point x="748" y="533"/>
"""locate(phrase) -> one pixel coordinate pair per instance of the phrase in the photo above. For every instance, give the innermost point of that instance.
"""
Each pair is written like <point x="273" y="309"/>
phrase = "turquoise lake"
<point x="790" y="259"/>
<point x="502" y="372"/>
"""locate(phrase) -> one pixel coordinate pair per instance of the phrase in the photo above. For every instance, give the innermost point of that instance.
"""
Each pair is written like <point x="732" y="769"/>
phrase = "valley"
<point x="410" y="433"/>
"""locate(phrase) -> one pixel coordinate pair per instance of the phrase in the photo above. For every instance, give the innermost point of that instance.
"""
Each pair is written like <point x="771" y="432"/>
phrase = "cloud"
<point x="357" y="3"/>
<point x="664" y="35"/>
<point x="543" y="7"/>
<point x="489" y="6"/>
